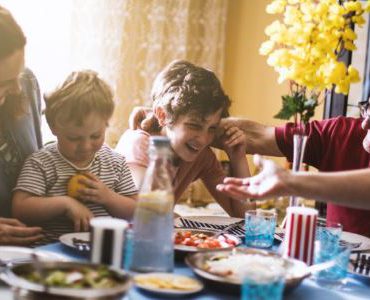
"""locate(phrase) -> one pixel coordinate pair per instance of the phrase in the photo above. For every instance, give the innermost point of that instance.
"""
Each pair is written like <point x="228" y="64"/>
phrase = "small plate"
<point x="363" y="242"/>
<point x="67" y="239"/>
<point x="168" y="283"/>
<point x="296" y="270"/>
<point x="20" y="255"/>
<point x="185" y="248"/>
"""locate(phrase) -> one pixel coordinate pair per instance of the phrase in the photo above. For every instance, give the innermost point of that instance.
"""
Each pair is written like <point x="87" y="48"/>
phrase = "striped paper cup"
<point x="107" y="241"/>
<point x="300" y="233"/>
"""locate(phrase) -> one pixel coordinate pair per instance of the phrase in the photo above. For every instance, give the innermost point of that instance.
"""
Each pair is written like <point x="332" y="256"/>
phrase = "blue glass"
<point x="340" y="254"/>
<point x="259" y="229"/>
<point x="251" y="290"/>
<point x="127" y="249"/>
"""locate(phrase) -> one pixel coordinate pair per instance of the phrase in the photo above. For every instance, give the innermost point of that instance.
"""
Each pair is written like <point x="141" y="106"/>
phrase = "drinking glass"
<point x="329" y="234"/>
<point x="259" y="228"/>
<point x="334" y="276"/>
<point x="265" y="286"/>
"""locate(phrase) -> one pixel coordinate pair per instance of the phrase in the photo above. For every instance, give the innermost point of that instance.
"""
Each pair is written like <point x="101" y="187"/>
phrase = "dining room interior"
<point x="275" y="226"/>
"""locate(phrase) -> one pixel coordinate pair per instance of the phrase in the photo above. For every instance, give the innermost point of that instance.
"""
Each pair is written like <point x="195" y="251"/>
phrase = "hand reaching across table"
<point x="14" y="232"/>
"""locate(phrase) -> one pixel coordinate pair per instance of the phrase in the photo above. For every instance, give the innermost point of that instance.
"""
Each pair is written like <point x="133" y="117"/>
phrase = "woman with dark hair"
<point x="20" y="134"/>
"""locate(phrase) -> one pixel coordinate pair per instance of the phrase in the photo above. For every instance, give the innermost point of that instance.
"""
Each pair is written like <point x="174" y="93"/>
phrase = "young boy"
<point x="77" y="113"/>
<point x="188" y="104"/>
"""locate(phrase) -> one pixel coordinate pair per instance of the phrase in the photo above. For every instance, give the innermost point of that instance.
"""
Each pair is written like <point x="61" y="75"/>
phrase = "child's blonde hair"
<point x="82" y="93"/>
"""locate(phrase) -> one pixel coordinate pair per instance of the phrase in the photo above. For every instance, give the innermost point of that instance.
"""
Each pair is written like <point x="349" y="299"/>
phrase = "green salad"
<point x="101" y="278"/>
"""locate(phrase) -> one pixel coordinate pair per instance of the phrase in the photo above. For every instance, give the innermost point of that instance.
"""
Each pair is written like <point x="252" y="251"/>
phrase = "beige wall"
<point x="249" y="81"/>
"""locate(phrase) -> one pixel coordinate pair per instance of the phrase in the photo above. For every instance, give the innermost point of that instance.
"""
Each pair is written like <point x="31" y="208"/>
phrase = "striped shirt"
<point x="46" y="173"/>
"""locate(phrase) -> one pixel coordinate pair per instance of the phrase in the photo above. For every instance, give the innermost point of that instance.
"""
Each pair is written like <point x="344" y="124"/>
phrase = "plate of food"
<point x="51" y="280"/>
<point x="168" y="283"/>
<point x="194" y="240"/>
<point x="76" y="240"/>
<point x="226" y="267"/>
<point x="18" y="255"/>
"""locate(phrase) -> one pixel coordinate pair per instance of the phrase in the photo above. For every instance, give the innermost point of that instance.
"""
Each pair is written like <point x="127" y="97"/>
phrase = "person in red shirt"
<point x="338" y="144"/>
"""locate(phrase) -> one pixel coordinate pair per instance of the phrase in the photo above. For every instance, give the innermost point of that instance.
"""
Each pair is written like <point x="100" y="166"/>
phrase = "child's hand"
<point x="95" y="191"/>
<point x="234" y="141"/>
<point x="79" y="214"/>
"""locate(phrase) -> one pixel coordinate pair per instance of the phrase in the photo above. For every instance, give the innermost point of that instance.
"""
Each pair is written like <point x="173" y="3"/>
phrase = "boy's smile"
<point x="79" y="144"/>
<point x="190" y="134"/>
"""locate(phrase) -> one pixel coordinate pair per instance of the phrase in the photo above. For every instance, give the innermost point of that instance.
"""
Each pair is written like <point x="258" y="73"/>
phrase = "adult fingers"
<point x="23" y="231"/>
<point x="13" y="222"/>
<point x="136" y="116"/>
<point x="232" y="191"/>
<point x="24" y="241"/>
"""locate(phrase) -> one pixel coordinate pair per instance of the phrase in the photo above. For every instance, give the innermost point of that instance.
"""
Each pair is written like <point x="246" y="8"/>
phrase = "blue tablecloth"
<point x="355" y="288"/>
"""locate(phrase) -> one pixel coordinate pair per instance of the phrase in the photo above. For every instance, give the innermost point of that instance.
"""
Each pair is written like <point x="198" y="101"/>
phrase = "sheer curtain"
<point x="129" y="41"/>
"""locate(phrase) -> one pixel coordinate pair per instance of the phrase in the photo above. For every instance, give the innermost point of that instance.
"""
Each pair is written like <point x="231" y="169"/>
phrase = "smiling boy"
<point x="188" y="104"/>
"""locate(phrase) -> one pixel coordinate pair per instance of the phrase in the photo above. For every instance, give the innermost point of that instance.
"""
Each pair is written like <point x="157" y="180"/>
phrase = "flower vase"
<point x="299" y="144"/>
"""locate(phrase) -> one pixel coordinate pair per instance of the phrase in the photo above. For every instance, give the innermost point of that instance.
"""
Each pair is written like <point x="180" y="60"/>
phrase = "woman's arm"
<point x="347" y="188"/>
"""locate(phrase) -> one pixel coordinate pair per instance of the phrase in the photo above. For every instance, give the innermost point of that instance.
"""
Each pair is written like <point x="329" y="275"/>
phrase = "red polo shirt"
<point x="333" y="145"/>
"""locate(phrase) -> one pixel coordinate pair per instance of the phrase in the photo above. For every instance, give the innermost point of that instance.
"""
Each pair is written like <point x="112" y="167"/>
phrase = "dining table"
<point x="356" y="287"/>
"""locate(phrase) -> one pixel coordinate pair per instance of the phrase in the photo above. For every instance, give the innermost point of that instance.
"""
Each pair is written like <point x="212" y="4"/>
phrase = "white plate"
<point x="348" y="237"/>
<point x="216" y="220"/>
<point x="16" y="255"/>
<point x="175" y="279"/>
<point x="67" y="239"/>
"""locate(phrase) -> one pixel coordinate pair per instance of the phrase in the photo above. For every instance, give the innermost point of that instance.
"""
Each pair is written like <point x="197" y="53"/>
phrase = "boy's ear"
<point x="160" y="115"/>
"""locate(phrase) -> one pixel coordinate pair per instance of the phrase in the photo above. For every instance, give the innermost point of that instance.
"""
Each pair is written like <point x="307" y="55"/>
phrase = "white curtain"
<point x="129" y="41"/>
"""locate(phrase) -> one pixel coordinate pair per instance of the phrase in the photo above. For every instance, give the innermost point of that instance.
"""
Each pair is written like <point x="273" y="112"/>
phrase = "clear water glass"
<point x="259" y="228"/>
<point x="334" y="276"/>
<point x="270" y="289"/>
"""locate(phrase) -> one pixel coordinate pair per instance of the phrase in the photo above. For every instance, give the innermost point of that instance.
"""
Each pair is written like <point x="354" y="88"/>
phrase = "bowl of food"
<point x="225" y="268"/>
<point x="65" y="280"/>
<point x="199" y="240"/>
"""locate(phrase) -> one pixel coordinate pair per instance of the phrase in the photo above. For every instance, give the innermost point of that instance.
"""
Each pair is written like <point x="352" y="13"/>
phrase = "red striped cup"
<point x="300" y="233"/>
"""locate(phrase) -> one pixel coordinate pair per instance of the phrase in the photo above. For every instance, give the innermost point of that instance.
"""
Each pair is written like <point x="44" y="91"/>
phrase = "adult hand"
<point x="233" y="141"/>
<point x="95" y="191"/>
<point x="79" y="214"/>
<point x="141" y="117"/>
<point x="270" y="182"/>
<point x="14" y="232"/>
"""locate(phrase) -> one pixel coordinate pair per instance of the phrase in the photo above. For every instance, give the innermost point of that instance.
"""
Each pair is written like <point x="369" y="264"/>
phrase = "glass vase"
<point x="299" y="144"/>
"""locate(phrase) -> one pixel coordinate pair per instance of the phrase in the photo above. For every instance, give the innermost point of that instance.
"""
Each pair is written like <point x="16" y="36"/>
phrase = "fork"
<point x="81" y="245"/>
<point x="362" y="264"/>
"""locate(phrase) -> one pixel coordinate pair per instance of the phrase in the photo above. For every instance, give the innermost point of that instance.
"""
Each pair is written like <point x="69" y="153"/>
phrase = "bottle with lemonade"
<point x="153" y="219"/>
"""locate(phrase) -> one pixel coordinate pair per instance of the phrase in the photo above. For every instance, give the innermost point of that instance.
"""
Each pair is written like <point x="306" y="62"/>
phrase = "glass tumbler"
<point x="259" y="228"/>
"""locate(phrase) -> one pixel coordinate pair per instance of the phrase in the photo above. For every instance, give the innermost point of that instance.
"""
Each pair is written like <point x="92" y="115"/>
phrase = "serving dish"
<point x="17" y="277"/>
<point x="194" y="240"/>
<point x="168" y="284"/>
<point x="295" y="272"/>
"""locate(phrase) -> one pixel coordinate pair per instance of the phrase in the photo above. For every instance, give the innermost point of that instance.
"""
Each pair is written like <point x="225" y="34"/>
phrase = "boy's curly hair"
<point x="182" y="88"/>
<point x="82" y="93"/>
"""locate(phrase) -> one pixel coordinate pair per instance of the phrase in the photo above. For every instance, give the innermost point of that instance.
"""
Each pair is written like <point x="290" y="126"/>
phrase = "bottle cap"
<point x="159" y="141"/>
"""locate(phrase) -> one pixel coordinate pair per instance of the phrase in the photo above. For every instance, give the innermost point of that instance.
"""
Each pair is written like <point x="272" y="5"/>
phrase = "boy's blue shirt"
<point x="26" y="134"/>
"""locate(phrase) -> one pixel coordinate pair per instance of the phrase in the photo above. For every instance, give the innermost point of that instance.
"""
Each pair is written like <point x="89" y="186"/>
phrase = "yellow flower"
<point x="266" y="47"/>
<point x="353" y="74"/>
<point x="349" y="34"/>
<point x="349" y="46"/>
<point x="276" y="7"/>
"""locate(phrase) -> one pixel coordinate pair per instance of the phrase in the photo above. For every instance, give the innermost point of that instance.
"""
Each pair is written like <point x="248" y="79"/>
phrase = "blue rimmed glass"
<point x="259" y="228"/>
<point x="263" y="288"/>
<point x="334" y="276"/>
<point x="329" y="235"/>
